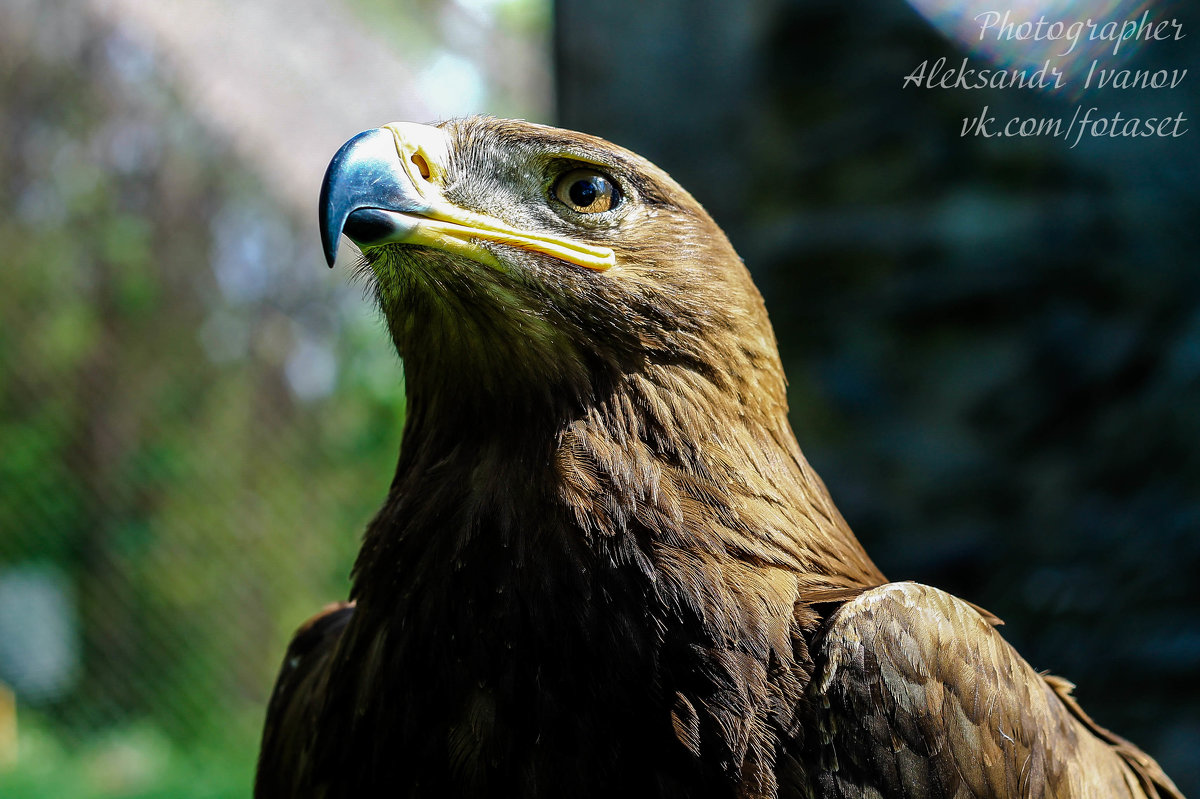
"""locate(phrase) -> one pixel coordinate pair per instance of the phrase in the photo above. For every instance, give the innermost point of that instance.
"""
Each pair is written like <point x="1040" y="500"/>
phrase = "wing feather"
<point x="285" y="759"/>
<point x="919" y="696"/>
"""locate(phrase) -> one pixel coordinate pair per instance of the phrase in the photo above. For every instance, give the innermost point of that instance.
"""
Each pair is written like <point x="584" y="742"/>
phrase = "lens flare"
<point x="1079" y="39"/>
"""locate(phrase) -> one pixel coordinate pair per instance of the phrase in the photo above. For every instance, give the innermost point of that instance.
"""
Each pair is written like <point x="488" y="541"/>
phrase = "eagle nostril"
<point x="421" y="164"/>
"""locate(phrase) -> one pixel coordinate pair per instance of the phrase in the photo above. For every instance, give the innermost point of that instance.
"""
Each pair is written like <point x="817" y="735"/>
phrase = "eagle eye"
<point x="587" y="191"/>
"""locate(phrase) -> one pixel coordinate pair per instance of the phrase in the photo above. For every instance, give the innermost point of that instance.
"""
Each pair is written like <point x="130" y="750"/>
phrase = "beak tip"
<point x="363" y="172"/>
<point x="328" y="213"/>
<point x="330" y="249"/>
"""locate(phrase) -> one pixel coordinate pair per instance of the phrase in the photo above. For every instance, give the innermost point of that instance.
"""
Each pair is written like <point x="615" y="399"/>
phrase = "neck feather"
<point x="641" y="474"/>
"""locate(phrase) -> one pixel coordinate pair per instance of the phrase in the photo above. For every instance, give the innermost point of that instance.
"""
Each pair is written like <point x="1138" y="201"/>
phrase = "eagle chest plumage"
<point x="604" y="567"/>
<point x="583" y="658"/>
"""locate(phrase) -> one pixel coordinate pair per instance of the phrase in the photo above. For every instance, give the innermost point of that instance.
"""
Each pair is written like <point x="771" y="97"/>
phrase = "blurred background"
<point x="993" y="344"/>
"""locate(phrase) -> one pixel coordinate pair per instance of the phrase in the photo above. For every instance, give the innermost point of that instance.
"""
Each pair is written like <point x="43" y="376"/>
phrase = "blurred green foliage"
<point x="196" y="420"/>
<point x="136" y="760"/>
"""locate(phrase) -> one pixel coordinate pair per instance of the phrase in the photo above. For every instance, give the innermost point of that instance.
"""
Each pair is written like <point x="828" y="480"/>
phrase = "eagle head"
<point x="512" y="259"/>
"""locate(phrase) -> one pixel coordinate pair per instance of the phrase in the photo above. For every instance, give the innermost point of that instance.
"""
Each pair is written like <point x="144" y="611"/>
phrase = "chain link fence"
<point x="196" y="422"/>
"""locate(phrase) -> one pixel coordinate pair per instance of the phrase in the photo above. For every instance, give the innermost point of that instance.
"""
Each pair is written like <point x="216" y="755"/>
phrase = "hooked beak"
<point x="385" y="186"/>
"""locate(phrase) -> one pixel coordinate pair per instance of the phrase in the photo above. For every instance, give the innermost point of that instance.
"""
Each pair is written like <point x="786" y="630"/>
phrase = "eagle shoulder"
<point x="286" y="757"/>
<point x="918" y="695"/>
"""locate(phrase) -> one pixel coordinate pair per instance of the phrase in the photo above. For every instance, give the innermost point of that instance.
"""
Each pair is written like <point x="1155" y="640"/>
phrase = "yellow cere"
<point x="423" y="152"/>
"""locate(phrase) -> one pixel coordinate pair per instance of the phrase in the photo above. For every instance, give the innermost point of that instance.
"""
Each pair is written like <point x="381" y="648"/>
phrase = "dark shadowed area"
<point x="993" y="344"/>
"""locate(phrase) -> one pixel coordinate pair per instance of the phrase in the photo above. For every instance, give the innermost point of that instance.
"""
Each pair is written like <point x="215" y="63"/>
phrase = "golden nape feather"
<point x="604" y="568"/>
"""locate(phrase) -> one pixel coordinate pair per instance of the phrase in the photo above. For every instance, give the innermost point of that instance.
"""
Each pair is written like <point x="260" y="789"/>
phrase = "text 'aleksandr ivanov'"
<point x="999" y="31"/>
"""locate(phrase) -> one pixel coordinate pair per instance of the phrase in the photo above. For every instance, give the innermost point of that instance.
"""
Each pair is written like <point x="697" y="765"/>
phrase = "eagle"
<point x="604" y="568"/>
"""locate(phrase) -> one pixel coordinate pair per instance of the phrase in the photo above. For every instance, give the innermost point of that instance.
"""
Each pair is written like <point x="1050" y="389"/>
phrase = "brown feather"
<point x="604" y="567"/>
<point x="949" y="709"/>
